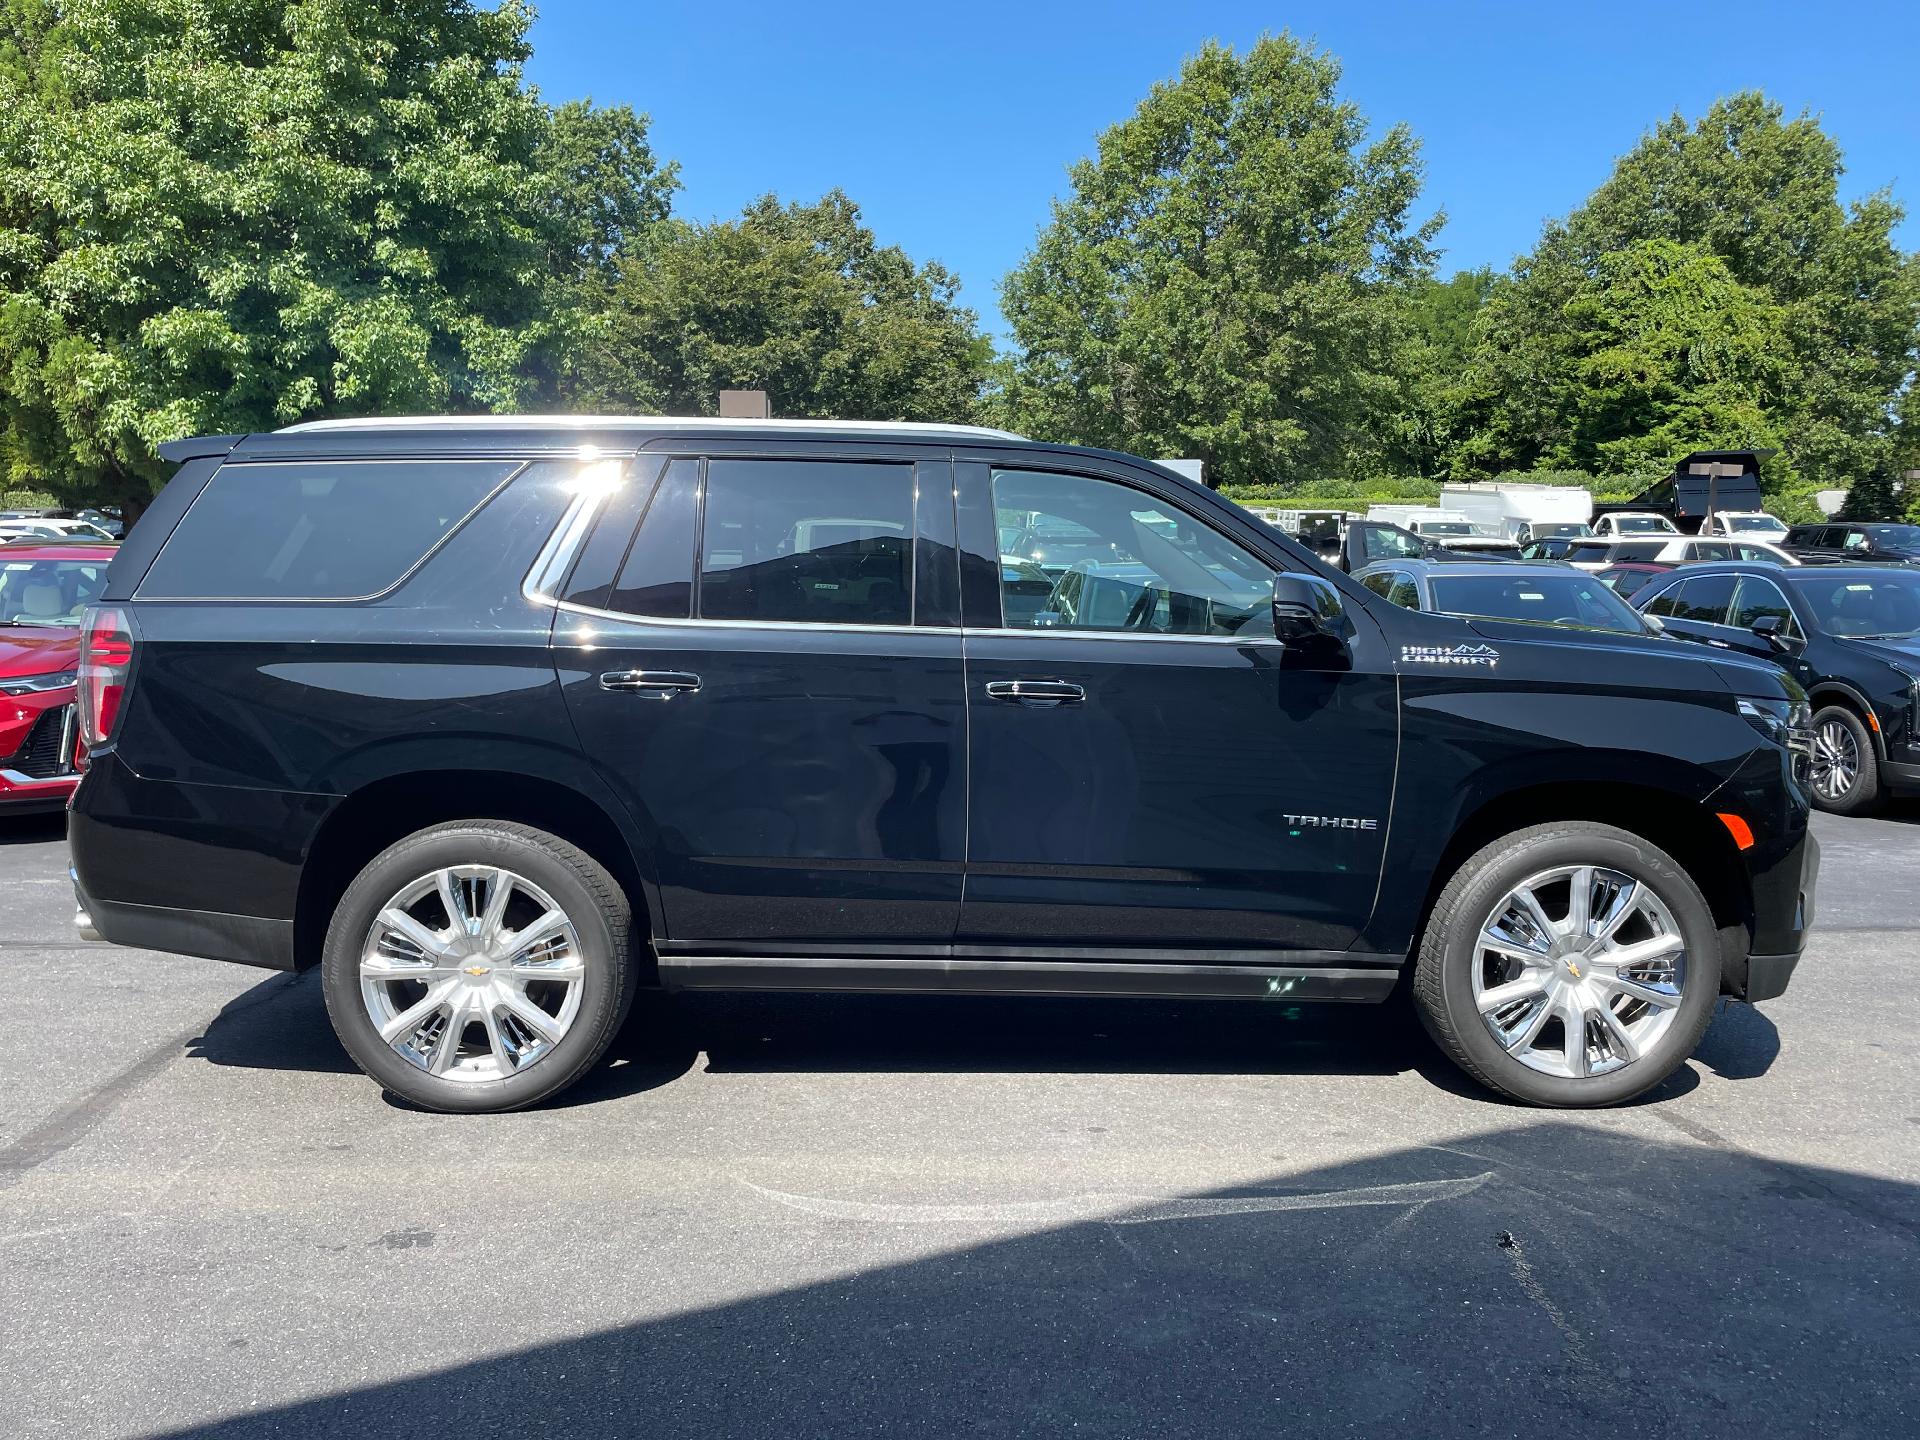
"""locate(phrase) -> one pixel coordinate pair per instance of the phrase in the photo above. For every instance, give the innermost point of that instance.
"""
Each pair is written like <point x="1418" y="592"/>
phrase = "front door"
<point x="747" y="673"/>
<point x="1151" y="773"/>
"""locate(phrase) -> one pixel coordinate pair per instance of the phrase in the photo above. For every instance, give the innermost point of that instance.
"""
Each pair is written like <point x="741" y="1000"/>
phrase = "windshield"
<point x="1756" y="525"/>
<point x="1584" y="601"/>
<point x="1873" y="607"/>
<point x="1445" y="527"/>
<point x="1552" y="531"/>
<point x="1642" y="525"/>
<point x="48" y="592"/>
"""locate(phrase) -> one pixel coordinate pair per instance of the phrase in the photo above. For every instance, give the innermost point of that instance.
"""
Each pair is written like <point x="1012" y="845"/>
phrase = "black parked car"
<point x="497" y="722"/>
<point x="1870" y="542"/>
<point x="1850" y="634"/>
<point x="1543" y="594"/>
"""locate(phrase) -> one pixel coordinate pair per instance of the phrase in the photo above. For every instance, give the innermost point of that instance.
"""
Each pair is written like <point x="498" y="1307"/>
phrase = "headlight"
<point x="1788" y="723"/>
<point x="34" y="684"/>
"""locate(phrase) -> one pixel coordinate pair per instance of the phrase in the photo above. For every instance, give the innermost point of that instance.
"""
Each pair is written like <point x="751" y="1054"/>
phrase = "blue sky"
<point x="952" y="126"/>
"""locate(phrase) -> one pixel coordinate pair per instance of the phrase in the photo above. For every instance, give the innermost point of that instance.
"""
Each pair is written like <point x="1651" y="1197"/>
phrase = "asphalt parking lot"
<point x="793" y="1216"/>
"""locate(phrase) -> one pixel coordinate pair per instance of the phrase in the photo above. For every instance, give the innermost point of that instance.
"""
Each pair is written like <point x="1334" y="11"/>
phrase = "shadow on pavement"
<point x="1546" y="1278"/>
<point x="1741" y="1044"/>
<point x="281" y="1024"/>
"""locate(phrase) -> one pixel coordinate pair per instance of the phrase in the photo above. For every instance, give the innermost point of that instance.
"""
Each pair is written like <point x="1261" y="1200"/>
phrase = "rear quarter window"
<point x="316" y="530"/>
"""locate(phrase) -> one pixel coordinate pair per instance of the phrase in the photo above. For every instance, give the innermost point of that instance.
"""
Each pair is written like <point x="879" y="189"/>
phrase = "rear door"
<point x="1151" y="773"/>
<point x="768" y="672"/>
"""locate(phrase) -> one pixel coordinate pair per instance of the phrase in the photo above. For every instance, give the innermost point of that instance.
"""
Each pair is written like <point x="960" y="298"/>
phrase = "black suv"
<point x="1875" y="542"/>
<point x="1850" y="634"/>
<point x="498" y="721"/>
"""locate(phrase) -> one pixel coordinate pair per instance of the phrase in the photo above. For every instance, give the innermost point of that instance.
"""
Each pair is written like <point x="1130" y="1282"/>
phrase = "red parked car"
<point x="44" y="588"/>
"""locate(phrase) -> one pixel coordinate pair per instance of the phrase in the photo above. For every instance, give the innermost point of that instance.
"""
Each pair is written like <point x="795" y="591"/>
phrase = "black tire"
<point x="1864" y="794"/>
<point x="591" y="899"/>
<point x="1443" y="972"/>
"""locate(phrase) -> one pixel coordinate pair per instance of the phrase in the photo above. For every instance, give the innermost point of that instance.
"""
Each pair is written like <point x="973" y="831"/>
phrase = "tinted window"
<point x="1404" y="593"/>
<point x="1628" y="582"/>
<point x="322" y="531"/>
<point x="656" y="578"/>
<point x="1142" y="565"/>
<point x="1571" y="599"/>
<point x="1664" y="604"/>
<point x="1705" y="600"/>
<point x="824" y="542"/>
<point x="1709" y="550"/>
<point x="1879" y="605"/>
<point x="599" y="559"/>
<point x="1639" y="550"/>
<point x="1380" y="582"/>
<point x="1588" y="554"/>
<point x="1759" y="598"/>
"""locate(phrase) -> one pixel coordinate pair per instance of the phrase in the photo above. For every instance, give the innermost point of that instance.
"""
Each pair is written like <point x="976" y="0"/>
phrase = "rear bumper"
<point x="191" y="869"/>
<point x="210" y="934"/>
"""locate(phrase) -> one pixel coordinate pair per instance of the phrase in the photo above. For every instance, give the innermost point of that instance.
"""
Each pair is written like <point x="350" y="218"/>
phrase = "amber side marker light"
<point x="1741" y="831"/>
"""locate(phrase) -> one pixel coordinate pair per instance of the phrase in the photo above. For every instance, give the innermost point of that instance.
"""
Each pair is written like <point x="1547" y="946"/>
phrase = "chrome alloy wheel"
<point x="472" y="973"/>
<point x="1836" y="760"/>
<point x="1579" y="971"/>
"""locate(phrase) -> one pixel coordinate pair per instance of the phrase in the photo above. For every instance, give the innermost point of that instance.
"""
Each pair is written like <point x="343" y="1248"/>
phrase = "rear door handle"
<point x="1038" y="694"/>
<point x="654" y="684"/>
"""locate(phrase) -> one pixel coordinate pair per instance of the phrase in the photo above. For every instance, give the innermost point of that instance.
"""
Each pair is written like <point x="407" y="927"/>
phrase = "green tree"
<point x="1758" y="194"/>
<point x="798" y="300"/>
<point x="228" y="217"/>
<point x="1443" y="324"/>
<point x="1228" y="279"/>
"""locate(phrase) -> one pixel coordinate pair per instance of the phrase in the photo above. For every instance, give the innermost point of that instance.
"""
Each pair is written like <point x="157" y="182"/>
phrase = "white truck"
<point x="1433" y="521"/>
<point x="1522" y="512"/>
<point x="1451" y="528"/>
<point x="1747" y="524"/>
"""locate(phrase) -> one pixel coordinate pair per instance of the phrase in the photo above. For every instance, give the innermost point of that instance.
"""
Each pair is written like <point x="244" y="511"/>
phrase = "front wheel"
<point x="1846" y="772"/>
<point x="478" y="966"/>
<point x="1569" y="965"/>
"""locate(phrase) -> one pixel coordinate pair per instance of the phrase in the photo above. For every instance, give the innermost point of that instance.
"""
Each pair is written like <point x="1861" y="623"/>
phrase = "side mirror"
<point x="1308" y="614"/>
<point x="1773" y="630"/>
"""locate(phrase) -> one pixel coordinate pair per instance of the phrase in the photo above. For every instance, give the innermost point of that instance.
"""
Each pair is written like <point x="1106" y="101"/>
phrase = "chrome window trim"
<point x="563" y="544"/>
<point x="654" y="622"/>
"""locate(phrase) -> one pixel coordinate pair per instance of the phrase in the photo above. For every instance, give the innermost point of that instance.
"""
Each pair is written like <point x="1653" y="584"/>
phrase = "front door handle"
<point x="1037" y="694"/>
<point x="654" y="684"/>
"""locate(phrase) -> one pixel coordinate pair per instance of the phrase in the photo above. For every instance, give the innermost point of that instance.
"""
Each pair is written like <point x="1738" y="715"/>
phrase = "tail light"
<point x="106" y="657"/>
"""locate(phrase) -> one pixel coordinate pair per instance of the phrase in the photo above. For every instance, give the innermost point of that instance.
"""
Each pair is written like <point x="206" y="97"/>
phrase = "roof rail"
<point x="638" y="422"/>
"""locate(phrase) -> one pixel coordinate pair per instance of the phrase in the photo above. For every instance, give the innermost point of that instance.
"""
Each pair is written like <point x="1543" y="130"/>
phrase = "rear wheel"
<point x="1569" y="965"/>
<point x="478" y="966"/>
<point x="1846" y="772"/>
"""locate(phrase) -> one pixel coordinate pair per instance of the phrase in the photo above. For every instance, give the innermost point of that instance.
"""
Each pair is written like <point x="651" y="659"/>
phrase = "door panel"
<point x="802" y="780"/>
<point x="1202" y="794"/>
